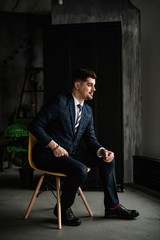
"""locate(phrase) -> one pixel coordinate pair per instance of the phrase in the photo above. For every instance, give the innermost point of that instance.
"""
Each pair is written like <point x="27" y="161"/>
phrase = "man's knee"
<point x="83" y="171"/>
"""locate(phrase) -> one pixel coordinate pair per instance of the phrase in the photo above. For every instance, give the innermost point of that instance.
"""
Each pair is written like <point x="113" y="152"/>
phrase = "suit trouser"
<point x="76" y="170"/>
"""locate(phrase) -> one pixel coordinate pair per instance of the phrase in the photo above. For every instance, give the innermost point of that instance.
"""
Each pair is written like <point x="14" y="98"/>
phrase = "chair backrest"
<point x="31" y="142"/>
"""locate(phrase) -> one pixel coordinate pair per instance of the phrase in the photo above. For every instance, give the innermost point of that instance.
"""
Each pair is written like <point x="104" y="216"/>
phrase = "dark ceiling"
<point x="26" y="6"/>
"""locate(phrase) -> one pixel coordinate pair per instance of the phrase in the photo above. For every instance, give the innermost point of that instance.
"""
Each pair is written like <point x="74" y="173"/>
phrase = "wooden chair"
<point x="32" y="142"/>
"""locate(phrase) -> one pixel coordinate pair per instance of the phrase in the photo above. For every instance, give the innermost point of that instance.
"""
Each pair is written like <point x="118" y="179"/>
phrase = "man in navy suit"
<point x="59" y="133"/>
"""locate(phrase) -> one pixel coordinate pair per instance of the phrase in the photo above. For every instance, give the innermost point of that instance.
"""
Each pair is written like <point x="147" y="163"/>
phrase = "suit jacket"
<point x="56" y="121"/>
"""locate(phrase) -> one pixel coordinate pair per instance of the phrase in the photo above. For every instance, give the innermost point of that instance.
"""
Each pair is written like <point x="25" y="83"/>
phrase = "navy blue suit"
<point x="56" y="121"/>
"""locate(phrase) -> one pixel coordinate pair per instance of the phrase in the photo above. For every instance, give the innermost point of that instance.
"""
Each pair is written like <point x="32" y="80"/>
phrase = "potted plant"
<point x="17" y="147"/>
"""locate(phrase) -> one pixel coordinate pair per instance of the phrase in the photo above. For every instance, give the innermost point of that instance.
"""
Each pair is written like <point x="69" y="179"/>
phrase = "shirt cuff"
<point x="98" y="152"/>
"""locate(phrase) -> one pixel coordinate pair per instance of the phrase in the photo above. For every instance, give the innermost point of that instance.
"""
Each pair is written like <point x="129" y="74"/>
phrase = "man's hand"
<point x="60" y="152"/>
<point x="107" y="156"/>
<point x="57" y="150"/>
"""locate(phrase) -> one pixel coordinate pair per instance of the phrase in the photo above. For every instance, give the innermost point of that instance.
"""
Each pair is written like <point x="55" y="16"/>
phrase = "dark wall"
<point x="21" y="46"/>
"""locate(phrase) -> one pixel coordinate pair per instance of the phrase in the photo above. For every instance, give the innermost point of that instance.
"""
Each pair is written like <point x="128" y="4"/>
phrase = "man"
<point x="59" y="127"/>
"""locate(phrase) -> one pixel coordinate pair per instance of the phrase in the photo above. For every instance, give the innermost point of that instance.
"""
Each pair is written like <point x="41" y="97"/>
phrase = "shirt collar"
<point x="76" y="102"/>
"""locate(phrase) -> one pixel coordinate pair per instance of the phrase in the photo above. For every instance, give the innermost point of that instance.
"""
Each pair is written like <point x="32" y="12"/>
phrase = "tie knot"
<point x="79" y="106"/>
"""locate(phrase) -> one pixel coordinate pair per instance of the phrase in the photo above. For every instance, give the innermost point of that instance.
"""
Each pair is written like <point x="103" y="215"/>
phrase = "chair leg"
<point x="34" y="196"/>
<point x="58" y="187"/>
<point x="85" y="202"/>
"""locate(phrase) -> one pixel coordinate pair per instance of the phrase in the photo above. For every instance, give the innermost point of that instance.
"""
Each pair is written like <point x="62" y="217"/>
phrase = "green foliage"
<point x="21" y="160"/>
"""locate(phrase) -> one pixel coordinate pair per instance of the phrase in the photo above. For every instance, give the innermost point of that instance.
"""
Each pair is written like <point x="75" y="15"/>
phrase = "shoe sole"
<point x="72" y="225"/>
<point x="121" y="217"/>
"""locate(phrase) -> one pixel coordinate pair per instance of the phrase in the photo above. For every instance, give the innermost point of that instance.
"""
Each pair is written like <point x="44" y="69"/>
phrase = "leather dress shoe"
<point x="121" y="212"/>
<point x="68" y="217"/>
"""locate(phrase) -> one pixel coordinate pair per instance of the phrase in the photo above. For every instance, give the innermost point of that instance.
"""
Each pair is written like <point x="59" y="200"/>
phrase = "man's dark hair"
<point x="82" y="74"/>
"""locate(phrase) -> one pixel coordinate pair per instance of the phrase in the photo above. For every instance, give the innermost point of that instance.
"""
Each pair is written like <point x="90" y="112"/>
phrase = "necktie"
<point x="78" y="117"/>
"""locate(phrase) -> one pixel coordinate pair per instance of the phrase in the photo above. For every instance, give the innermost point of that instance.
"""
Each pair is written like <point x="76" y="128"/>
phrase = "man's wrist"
<point x="52" y="145"/>
<point x="99" y="152"/>
<point x="53" y="149"/>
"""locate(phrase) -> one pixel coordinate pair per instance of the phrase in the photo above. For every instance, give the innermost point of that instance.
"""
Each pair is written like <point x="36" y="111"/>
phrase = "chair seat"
<point x="51" y="173"/>
<point x="58" y="174"/>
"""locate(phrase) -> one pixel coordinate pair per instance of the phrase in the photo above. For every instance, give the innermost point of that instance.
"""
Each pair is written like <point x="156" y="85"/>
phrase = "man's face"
<point x="86" y="89"/>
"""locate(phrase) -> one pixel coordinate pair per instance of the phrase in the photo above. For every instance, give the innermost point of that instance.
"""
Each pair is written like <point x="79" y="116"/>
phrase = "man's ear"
<point x="76" y="85"/>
